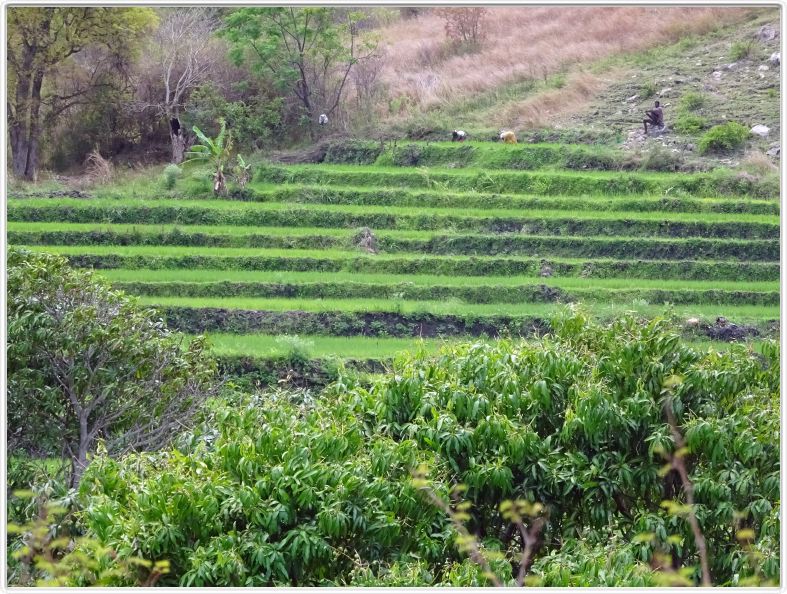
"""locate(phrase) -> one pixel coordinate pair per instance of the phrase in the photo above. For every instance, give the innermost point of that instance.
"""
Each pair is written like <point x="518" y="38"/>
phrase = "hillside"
<point x="575" y="80"/>
<point x="524" y="44"/>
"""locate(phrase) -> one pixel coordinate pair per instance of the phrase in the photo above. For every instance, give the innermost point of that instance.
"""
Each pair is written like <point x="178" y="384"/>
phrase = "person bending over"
<point x="654" y="117"/>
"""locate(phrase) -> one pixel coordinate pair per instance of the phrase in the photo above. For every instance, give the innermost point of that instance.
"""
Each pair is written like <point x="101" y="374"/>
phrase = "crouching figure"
<point x="654" y="117"/>
<point x="458" y="136"/>
<point x="508" y="137"/>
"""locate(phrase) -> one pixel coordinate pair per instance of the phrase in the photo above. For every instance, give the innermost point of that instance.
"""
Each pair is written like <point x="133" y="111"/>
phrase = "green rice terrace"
<point x="376" y="249"/>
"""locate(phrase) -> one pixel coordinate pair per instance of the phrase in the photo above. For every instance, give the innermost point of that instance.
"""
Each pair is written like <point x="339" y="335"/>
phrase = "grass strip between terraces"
<point x="424" y="242"/>
<point x="534" y="293"/>
<point x="542" y="182"/>
<point x="265" y="276"/>
<point x="736" y="313"/>
<point x="147" y="257"/>
<point x="105" y="210"/>
<point x="304" y="194"/>
<point x="364" y="347"/>
<point x="351" y="347"/>
<point x="425" y="198"/>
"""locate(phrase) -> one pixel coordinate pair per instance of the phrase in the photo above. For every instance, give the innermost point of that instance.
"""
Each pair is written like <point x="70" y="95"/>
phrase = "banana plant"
<point x="216" y="151"/>
<point x="241" y="172"/>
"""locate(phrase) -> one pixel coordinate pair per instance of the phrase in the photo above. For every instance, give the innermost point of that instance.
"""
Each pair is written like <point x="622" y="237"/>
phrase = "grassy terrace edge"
<point x="412" y="322"/>
<point x="533" y="293"/>
<point x="713" y="184"/>
<point x="429" y="243"/>
<point x="147" y="257"/>
<point x="539" y="223"/>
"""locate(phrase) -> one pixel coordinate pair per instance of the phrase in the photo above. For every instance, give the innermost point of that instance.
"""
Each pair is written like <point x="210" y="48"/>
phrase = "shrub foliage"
<point x="284" y="490"/>
<point x="724" y="137"/>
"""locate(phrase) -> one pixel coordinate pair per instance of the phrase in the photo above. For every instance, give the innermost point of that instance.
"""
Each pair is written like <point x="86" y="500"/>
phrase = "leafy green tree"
<point x="577" y="423"/>
<point x="268" y="491"/>
<point x="306" y="51"/>
<point x="86" y="363"/>
<point x="42" y="40"/>
<point x="217" y="152"/>
<point x="285" y="489"/>
<point x="255" y="116"/>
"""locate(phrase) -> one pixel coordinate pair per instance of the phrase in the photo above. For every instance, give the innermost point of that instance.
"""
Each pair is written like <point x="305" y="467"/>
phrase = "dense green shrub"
<point x="740" y="50"/>
<point x="171" y="174"/>
<point x="687" y="123"/>
<point x="724" y="137"/>
<point x="575" y="421"/>
<point x="691" y="101"/>
<point x="269" y="492"/>
<point x="254" y="120"/>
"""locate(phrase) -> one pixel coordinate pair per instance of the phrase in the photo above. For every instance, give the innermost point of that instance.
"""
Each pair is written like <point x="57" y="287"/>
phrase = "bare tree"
<point x="366" y="79"/>
<point x="184" y="54"/>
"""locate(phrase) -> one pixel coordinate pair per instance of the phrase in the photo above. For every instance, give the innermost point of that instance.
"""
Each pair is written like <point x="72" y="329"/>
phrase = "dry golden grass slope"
<point x="529" y="43"/>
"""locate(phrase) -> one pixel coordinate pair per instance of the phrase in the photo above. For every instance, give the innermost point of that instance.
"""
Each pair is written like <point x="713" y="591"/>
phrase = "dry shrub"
<point x="758" y="163"/>
<point x="97" y="169"/>
<point x="527" y="41"/>
<point x="430" y="54"/>
<point x="463" y="25"/>
<point x="365" y="77"/>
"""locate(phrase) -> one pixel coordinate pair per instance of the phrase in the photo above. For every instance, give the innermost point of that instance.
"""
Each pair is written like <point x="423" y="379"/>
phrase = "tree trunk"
<point x="31" y="170"/>
<point x="178" y="146"/>
<point x="219" y="183"/>
<point x="79" y="463"/>
<point x="19" y="126"/>
<point x="25" y="131"/>
<point x="19" y="149"/>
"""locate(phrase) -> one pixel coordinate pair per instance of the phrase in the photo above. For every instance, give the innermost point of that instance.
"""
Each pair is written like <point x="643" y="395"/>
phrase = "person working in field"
<point x="654" y="117"/>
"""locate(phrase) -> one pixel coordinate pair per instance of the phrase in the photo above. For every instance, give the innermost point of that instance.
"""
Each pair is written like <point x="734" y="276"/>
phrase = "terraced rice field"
<point x="477" y="243"/>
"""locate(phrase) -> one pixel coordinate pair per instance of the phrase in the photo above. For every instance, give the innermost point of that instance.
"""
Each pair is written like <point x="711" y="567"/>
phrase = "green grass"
<point x="229" y="230"/>
<point x="344" y="194"/>
<point x="150" y="250"/>
<point x="395" y="242"/>
<point x="720" y="346"/>
<point x="263" y="346"/>
<point x="286" y="277"/>
<point x="466" y="172"/>
<point x="356" y="347"/>
<point x="352" y="209"/>
<point x="735" y="313"/>
<point x="205" y="229"/>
